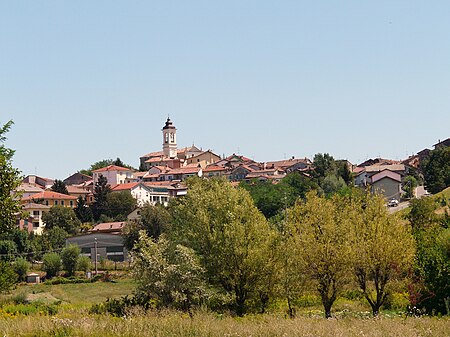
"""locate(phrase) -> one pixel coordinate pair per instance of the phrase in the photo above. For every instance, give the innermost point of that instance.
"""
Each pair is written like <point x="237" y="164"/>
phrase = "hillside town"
<point x="162" y="176"/>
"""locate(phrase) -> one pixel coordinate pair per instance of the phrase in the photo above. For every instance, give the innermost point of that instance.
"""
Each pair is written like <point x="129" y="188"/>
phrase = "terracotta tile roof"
<point x="139" y="174"/>
<point x="158" y="159"/>
<point x="75" y="189"/>
<point x="112" y="168"/>
<point x="153" y="154"/>
<point x="288" y="162"/>
<point x="358" y="169"/>
<point x="33" y="205"/>
<point x="214" y="168"/>
<point x="183" y="170"/>
<point x="378" y="168"/>
<point x="159" y="183"/>
<point x="109" y="227"/>
<point x="26" y="187"/>
<point x="123" y="187"/>
<point x="245" y="159"/>
<point x="49" y="195"/>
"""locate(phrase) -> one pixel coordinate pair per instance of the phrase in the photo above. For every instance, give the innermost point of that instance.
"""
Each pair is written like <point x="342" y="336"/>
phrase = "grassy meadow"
<point x="72" y="317"/>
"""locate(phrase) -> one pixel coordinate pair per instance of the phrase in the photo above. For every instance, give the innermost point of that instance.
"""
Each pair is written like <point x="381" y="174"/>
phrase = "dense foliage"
<point x="9" y="181"/>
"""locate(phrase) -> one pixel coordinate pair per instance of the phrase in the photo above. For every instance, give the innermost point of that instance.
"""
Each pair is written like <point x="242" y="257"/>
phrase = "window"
<point x="36" y="213"/>
<point x="46" y="202"/>
<point x="71" y="203"/>
<point x="56" y="202"/>
<point x="35" y="224"/>
<point x="62" y="202"/>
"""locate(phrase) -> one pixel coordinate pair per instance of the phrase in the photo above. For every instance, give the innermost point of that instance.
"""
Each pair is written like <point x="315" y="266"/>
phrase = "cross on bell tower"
<point x="169" y="139"/>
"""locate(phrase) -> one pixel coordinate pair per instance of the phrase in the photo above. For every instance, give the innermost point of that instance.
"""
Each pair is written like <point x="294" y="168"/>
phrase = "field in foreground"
<point x="206" y="324"/>
<point x="73" y="319"/>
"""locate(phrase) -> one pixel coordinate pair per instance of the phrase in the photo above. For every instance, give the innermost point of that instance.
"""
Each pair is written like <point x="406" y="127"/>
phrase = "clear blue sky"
<point x="91" y="80"/>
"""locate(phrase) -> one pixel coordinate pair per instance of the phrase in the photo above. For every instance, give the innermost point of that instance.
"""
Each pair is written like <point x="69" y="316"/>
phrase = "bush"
<point x="21" y="267"/>
<point x="84" y="263"/>
<point x="8" y="249"/>
<point x="51" y="264"/>
<point x="7" y="276"/>
<point x="69" y="256"/>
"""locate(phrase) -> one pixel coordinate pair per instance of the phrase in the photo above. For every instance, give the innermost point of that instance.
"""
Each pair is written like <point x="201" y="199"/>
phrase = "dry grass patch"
<point x="207" y="324"/>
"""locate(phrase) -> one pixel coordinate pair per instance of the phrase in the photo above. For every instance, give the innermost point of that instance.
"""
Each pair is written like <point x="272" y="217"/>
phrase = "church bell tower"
<point x="169" y="139"/>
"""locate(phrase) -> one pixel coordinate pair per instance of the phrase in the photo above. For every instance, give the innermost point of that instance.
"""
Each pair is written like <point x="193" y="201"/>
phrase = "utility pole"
<point x="95" y="260"/>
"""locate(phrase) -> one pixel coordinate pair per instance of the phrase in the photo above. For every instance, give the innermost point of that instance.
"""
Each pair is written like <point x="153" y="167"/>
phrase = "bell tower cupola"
<point x="169" y="139"/>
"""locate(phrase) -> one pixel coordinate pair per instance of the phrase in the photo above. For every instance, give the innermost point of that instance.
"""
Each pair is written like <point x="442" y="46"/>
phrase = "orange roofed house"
<point x="114" y="174"/>
<point x="39" y="203"/>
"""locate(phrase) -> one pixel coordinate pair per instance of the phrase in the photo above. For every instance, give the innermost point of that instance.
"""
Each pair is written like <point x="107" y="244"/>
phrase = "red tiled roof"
<point x="108" y="227"/>
<point x="123" y="187"/>
<point x="183" y="170"/>
<point x="213" y="168"/>
<point x="49" y="195"/>
<point x="76" y="189"/>
<point x="112" y="168"/>
<point x="288" y="162"/>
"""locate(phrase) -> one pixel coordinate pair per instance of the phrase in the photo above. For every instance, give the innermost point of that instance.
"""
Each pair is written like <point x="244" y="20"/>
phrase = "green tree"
<point x="103" y="163"/>
<point x="7" y="276"/>
<point x="154" y="220"/>
<point x="422" y="213"/>
<point x="20" y="237"/>
<point x="375" y="238"/>
<point x="69" y="257"/>
<point x="323" y="165"/>
<point x="332" y="184"/>
<point x="269" y="198"/>
<point x="300" y="184"/>
<point x="344" y="172"/>
<point x="21" y="267"/>
<point x="119" y="205"/>
<point x="8" y="250"/>
<point x="60" y="187"/>
<point x="171" y="275"/>
<point x="62" y="217"/>
<point x="101" y="191"/>
<point x="84" y="263"/>
<point x="82" y="211"/>
<point x="118" y="162"/>
<point x="436" y="170"/>
<point x="9" y="182"/>
<point x="319" y="233"/>
<point x="51" y="264"/>
<point x="97" y="165"/>
<point x="433" y="269"/>
<point x="228" y="233"/>
<point x="409" y="186"/>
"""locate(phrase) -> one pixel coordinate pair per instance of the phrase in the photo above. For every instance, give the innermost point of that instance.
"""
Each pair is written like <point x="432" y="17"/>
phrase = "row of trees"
<point x="217" y="248"/>
<point x="69" y="260"/>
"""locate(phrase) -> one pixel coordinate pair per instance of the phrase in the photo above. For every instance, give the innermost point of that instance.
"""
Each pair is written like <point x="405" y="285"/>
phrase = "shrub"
<point x="51" y="264"/>
<point x="7" y="276"/>
<point x="8" y="249"/>
<point x="84" y="263"/>
<point x="69" y="256"/>
<point x="21" y="267"/>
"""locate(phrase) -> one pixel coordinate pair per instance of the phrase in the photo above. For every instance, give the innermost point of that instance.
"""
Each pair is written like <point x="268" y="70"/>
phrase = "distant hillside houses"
<point x="162" y="176"/>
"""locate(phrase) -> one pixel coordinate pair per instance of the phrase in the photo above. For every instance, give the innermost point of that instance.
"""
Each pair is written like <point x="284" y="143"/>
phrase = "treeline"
<point x="213" y="247"/>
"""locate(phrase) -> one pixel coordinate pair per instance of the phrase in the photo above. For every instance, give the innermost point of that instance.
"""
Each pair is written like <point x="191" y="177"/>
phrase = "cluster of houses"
<point x="162" y="174"/>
